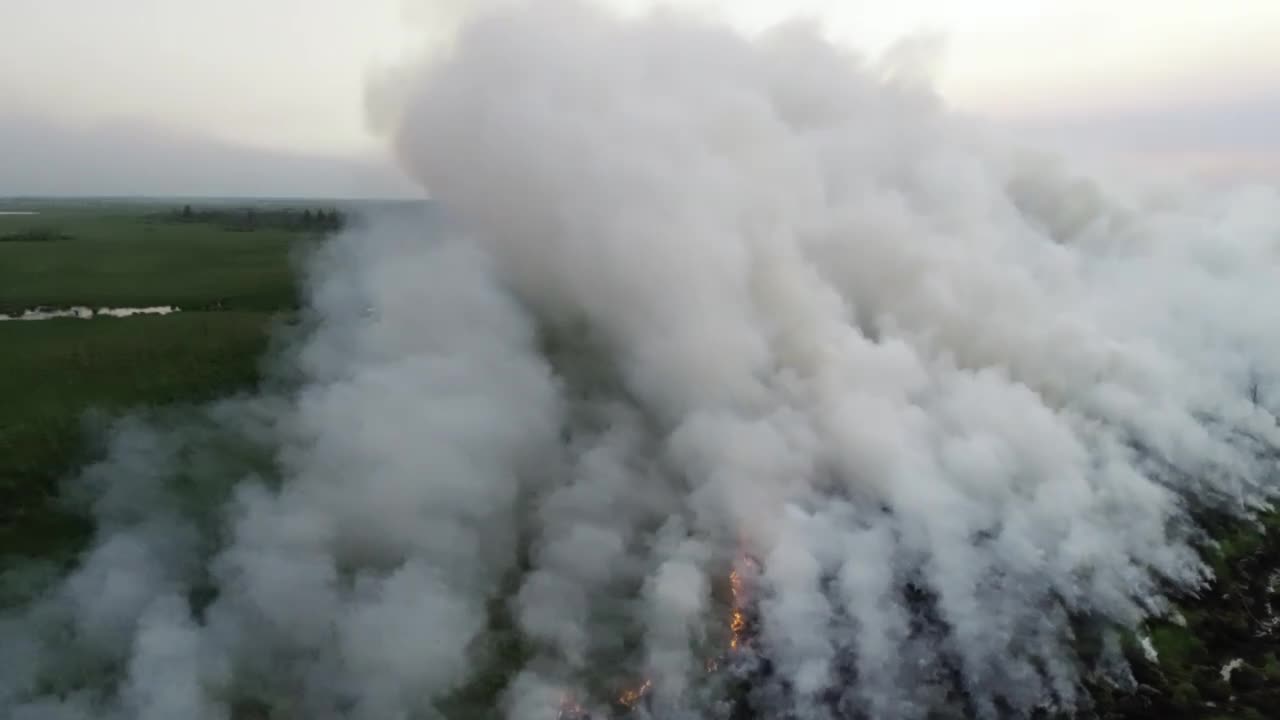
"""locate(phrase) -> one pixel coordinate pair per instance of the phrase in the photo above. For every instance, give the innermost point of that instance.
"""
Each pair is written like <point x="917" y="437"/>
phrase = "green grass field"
<point x="56" y="373"/>
<point x="124" y="257"/>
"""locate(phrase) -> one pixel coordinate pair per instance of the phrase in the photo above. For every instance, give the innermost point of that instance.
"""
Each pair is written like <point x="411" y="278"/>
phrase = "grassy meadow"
<point x="232" y="280"/>
<point x="138" y="256"/>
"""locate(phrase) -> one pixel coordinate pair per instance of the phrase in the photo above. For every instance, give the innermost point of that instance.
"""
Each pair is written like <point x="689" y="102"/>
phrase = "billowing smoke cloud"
<point x="742" y="376"/>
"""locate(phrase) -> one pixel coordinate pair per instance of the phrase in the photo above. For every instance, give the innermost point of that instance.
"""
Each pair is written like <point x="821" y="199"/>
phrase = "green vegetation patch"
<point x="133" y="259"/>
<point x="229" y="269"/>
<point x="1232" y="620"/>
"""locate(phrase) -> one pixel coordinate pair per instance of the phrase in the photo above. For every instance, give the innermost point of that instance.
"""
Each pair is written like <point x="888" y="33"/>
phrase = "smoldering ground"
<point x="704" y="305"/>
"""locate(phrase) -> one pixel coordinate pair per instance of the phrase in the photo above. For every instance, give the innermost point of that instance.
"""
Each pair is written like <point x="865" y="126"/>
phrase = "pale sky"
<point x="288" y="75"/>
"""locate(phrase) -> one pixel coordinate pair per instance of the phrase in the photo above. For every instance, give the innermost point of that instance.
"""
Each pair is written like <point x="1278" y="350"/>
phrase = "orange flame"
<point x="737" y="613"/>
<point x="632" y="696"/>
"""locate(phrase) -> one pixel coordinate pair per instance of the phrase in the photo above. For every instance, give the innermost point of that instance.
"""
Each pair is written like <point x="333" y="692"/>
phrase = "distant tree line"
<point x="243" y="219"/>
<point x="35" y="235"/>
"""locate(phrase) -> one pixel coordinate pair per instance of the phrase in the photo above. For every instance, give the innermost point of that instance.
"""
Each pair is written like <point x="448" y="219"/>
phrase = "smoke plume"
<point x="738" y="374"/>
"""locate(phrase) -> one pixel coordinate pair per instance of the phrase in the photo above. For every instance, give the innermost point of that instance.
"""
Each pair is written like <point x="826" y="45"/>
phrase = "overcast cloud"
<point x="182" y="96"/>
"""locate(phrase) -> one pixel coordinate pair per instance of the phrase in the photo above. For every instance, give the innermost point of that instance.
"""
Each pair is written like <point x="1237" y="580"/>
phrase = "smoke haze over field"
<point x="701" y="304"/>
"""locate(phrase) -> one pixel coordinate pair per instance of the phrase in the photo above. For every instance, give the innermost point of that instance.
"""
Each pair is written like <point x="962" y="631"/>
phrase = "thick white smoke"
<point x="880" y="353"/>
<point x="704" y="304"/>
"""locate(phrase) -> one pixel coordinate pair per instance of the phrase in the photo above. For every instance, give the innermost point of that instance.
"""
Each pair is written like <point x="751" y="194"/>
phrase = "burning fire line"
<point x="737" y="618"/>
<point x="632" y="697"/>
<point x="629" y="698"/>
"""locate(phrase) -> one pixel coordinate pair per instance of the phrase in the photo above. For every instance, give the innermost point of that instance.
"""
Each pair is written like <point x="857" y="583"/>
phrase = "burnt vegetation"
<point x="1217" y="654"/>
